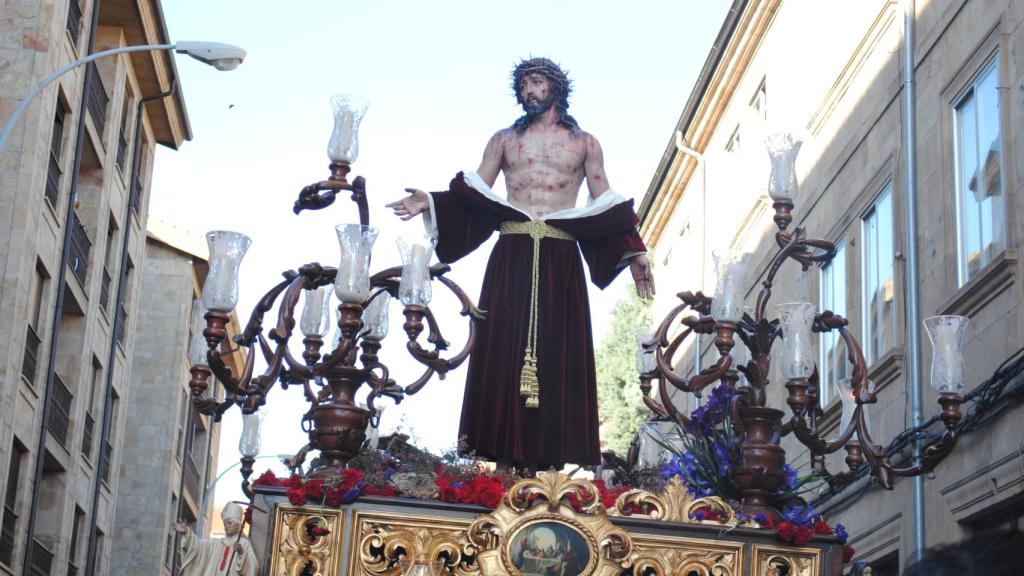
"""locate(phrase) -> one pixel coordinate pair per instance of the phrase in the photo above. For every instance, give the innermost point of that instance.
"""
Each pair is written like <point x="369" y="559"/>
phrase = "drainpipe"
<point x="682" y="147"/>
<point x="913" y="306"/>
<point x="115" y="333"/>
<point x="58" y="307"/>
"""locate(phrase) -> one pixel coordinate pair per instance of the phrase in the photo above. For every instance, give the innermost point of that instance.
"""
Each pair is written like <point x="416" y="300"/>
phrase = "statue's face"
<point x="231" y="527"/>
<point x="535" y="93"/>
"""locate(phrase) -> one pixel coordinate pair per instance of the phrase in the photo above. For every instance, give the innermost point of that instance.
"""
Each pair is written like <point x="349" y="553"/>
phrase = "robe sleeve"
<point x="460" y="230"/>
<point x="606" y="257"/>
<point x="607" y="240"/>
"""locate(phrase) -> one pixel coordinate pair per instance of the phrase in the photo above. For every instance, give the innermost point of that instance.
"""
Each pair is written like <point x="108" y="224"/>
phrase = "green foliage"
<point x="621" y="406"/>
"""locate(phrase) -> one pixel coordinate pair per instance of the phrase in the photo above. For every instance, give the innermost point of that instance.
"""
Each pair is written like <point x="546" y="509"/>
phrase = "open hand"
<point x="179" y="528"/>
<point x="411" y="205"/>
<point x="640" y="268"/>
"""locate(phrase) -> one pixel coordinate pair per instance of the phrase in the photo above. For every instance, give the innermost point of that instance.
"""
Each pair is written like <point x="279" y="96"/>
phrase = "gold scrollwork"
<point x="385" y="538"/>
<point x="538" y="503"/>
<point x="677" y="504"/>
<point x="669" y="556"/>
<point x="294" y="547"/>
<point x="774" y="561"/>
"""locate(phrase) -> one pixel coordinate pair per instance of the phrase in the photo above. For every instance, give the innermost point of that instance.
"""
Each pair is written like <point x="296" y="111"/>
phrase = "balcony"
<point x="74" y="23"/>
<point x="121" y="323"/>
<point x="122" y="149"/>
<point x="60" y="411"/>
<point x="53" y="175"/>
<point x="87" y="433"/>
<point x="7" y="533"/>
<point x="78" y="257"/>
<point x="105" y="290"/>
<point x="98" y="99"/>
<point x="191" y="476"/>
<point x="42" y="560"/>
<point x="31" y="360"/>
<point x="135" y="194"/>
<point x="105" y="454"/>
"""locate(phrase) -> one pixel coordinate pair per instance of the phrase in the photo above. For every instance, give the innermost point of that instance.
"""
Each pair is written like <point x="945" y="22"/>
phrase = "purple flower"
<point x="761" y="518"/>
<point x="353" y="493"/>
<point x="841" y="533"/>
<point x="698" y="515"/>
<point x="799" y="514"/>
<point x="791" y="477"/>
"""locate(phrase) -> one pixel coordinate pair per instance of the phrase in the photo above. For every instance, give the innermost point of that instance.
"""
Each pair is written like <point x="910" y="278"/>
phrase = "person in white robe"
<point x="231" y="555"/>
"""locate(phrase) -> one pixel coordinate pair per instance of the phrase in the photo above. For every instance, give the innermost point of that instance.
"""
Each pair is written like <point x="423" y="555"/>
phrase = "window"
<point x="54" y="171"/>
<point x="979" y="182"/>
<point x="169" y="552"/>
<point x="10" y="521"/>
<point x="76" y="532"/>
<point x="832" y="363"/>
<point x="125" y="129"/>
<point x="878" y="278"/>
<point x="759" y="103"/>
<point x="182" y="421"/>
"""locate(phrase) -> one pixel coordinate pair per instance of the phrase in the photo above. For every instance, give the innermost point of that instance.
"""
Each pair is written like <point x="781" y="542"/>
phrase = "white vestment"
<point x="201" y="557"/>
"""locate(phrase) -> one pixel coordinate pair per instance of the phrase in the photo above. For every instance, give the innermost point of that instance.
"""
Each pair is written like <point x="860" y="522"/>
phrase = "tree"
<point x="621" y="407"/>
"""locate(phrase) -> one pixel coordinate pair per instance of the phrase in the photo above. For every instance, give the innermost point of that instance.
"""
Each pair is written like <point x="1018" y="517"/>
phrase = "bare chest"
<point x="556" y="151"/>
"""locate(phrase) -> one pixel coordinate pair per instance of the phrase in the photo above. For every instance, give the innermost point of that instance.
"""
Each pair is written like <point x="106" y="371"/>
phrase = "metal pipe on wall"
<point x="913" y="306"/>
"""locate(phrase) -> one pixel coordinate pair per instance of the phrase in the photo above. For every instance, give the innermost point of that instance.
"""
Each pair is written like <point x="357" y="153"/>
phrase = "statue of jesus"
<point x="531" y="393"/>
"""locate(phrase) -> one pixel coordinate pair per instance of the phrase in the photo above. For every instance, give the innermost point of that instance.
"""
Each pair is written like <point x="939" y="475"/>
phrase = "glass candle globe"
<point x="197" y="346"/>
<point x="352" y="283"/>
<point x="947" y="336"/>
<point x="220" y="292"/>
<point x="783" y="149"/>
<point x="375" y="317"/>
<point x="645" y="359"/>
<point x="249" y="442"/>
<point x="796" y="351"/>
<point x="414" y="288"/>
<point x="316" y="317"/>
<point x="731" y="272"/>
<point x="349" y="109"/>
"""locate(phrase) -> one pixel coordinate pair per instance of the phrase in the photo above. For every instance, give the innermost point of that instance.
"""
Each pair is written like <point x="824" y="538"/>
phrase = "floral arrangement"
<point x="704" y="465"/>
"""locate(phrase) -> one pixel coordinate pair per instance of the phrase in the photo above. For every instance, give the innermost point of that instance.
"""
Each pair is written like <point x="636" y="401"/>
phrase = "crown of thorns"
<point x="556" y="76"/>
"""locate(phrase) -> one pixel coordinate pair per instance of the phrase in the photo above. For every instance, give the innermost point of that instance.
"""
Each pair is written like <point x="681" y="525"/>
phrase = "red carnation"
<point x="334" y="497"/>
<point x="267" y="479"/>
<point x="822" y="527"/>
<point x="803" y="536"/>
<point x="293" y="481"/>
<point x="314" y="489"/>
<point x="318" y="531"/>
<point x="847" y="553"/>
<point x="786" y="531"/>
<point x="351" y="475"/>
<point x="377" y="491"/>
<point x="297" y="496"/>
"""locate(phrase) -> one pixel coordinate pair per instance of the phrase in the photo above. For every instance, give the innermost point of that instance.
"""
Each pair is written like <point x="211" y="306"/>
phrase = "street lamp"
<point x="220" y="56"/>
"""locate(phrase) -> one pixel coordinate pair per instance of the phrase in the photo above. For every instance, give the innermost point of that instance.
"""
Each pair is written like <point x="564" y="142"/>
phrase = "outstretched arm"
<point x="593" y="168"/>
<point x="411" y="205"/>
<point x="490" y="164"/>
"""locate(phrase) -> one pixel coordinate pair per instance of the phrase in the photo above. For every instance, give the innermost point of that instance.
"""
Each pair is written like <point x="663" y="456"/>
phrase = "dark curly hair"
<point x="561" y="86"/>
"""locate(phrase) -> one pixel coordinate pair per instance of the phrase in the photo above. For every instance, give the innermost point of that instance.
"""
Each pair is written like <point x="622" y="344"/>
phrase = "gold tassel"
<point x="529" y="386"/>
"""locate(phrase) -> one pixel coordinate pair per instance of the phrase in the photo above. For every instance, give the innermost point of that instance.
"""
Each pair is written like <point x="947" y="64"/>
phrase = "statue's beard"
<point x="535" y="108"/>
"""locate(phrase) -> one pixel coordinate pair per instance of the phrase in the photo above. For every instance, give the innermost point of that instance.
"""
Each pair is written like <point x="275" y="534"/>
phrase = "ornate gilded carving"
<point x="294" y="546"/>
<point x="792" y="561"/>
<point x="385" y="538"/>
<point x="677" y="504"/>
<point x="534" y="526"/>
<point x="667" y="556"/>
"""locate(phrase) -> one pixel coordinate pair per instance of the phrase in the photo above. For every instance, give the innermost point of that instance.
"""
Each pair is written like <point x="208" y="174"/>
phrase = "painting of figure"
<point x="549" y="549"/>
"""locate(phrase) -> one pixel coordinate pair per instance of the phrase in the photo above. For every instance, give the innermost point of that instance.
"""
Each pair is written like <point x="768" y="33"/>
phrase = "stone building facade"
<point x="833" y="71"/>
<point x="169" y="459"/>
<point x="74" y="190"/>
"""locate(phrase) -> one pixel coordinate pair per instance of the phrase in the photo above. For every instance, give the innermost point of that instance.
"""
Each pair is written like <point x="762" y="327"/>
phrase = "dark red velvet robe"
<point x="495" y="423"/>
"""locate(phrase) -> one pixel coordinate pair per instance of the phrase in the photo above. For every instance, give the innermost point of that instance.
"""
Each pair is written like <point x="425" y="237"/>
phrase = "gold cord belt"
<point x="529" y="386"/>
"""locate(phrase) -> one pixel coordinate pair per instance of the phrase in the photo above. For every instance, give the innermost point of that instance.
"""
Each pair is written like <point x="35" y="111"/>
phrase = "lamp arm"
<point x="9" y="125"/>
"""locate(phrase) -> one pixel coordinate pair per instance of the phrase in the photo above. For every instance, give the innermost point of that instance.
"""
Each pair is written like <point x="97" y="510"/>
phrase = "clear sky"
<point x="437" y="76"/>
